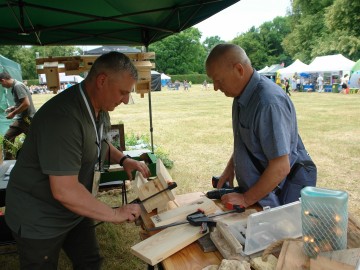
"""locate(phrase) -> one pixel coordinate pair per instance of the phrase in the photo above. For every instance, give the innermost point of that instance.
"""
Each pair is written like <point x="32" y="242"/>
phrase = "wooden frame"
<point x="116" y="136"/>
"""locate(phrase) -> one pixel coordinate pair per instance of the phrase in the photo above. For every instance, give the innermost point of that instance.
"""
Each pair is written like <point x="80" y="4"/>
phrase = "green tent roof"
<point x="106" y="22"/>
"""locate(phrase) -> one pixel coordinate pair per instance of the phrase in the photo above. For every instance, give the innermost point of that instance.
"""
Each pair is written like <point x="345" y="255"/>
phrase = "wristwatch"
<point x="121" y="162"/>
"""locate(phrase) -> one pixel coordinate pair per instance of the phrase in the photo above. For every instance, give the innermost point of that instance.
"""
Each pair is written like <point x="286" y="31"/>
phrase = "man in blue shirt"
<point x="266" y="141"/>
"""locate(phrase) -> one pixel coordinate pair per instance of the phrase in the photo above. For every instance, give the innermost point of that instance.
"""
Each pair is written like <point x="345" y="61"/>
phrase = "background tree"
<point x="263" y="45"/>
<point x="342" y="21"/>
<point x="181" y="53"/>
<point x="211" y="42"/>
<point x="25" y="56"/>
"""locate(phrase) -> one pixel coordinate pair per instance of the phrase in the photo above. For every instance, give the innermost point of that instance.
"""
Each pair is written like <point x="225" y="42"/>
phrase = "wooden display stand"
<point x="74" y="65"/>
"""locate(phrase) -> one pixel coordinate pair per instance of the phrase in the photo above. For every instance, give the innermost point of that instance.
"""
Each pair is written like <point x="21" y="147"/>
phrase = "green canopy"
<point x="106" y="22"/>
<point x="356" y="67"/>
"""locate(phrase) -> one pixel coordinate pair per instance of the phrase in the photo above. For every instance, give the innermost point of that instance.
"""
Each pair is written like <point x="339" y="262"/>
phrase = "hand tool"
<point x="215" y="181"/>
<point x="218" y="193"/>
<point x="198" y="218"/>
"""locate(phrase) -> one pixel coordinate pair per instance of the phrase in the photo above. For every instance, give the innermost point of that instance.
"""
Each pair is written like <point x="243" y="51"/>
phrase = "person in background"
<point x="320" y="83"/>
<point x="344" y="83"/>
<point x="287" y="86"/>
<point x="266" y="141"/>
<point x="22" y="112"/>
<point x="49" y="199"/>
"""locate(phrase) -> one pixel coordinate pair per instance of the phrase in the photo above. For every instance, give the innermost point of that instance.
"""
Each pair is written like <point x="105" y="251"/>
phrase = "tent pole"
<point x="150" y="115"/>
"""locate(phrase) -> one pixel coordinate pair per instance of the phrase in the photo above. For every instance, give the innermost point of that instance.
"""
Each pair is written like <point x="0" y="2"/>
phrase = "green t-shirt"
<point x="61" y="141"/>
<point x="19" y="92"/>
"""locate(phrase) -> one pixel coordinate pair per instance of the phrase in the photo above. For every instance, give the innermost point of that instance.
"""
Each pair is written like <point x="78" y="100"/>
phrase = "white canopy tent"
<point x="330" y="63"/>
<point x="297" y="66"/>
<point x="263" y="69"/>
<point x="63" y="78"/>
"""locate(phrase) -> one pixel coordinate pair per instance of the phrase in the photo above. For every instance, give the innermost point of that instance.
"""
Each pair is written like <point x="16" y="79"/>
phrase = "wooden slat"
<point x="180" y="213"/>
<point x="292" y="256"/>
<point x="165" y="243"/>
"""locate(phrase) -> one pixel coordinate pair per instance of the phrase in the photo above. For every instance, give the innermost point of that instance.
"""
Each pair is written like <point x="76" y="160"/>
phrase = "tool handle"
<point x="236" y="207"/>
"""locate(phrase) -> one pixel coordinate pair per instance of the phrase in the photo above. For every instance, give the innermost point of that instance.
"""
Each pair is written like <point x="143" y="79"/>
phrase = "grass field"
<point x="195" y="128"/>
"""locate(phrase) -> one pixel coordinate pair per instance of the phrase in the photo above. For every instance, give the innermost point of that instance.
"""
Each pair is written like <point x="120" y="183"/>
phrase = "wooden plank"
<point x="292" y="256"/>
<point x="232" y="241"/>
<point x="224" y="248"/>
<point x="346" y="256"/>
<point x="144" y="189"/>
<point x="180" y="213"/>
<point x="188" y="258"/>
<point x="323" y="263"/>
<point x="165" y="243"/>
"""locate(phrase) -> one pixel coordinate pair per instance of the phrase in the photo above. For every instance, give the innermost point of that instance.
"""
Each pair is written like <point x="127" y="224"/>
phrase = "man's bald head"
<point x="228" y="54"/>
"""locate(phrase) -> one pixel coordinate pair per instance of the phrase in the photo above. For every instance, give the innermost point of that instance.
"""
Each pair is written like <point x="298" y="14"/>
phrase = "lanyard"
<point x="98" y="137"/>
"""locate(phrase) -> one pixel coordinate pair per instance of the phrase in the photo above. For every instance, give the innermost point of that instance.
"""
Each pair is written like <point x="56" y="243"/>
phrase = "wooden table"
<point x="192" y="257"/>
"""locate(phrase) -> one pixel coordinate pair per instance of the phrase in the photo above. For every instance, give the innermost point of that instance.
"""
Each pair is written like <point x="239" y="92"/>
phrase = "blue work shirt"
<point x="264" y="119"/>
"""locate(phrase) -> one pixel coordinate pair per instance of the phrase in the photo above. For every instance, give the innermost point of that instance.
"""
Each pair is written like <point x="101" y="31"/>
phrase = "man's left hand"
<point x="132" y="164"/>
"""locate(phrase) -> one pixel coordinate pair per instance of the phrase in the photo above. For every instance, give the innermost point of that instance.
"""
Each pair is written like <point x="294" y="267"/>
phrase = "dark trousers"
<point x="15" y="129"/>
<point x="80" y="245"/>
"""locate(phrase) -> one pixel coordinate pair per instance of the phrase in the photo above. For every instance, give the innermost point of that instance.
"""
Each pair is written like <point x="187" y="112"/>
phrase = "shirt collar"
<point x="245" y="96"/>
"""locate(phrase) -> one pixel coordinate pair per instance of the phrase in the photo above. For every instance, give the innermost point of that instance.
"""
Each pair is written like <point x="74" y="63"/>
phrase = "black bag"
<point x="302" y="174"/>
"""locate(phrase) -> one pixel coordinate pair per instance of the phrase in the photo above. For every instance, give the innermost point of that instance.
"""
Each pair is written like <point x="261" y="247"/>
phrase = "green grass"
<point x="195" y="129"/>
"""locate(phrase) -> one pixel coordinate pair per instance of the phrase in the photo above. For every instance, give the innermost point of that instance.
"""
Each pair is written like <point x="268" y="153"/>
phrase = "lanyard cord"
<point x="98" y="138"/>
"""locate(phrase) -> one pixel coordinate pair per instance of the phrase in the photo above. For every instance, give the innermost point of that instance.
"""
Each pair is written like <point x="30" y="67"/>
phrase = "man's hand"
<point x="10" y="115"/>
<point x="227" y="175"/>
<point x="130" y="165"/>
<point x="128" y="213"/>
<point x="234" y="199"/>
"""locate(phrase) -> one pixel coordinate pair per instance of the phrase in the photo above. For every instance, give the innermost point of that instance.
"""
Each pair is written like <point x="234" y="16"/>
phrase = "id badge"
<point x="96" y="182"/>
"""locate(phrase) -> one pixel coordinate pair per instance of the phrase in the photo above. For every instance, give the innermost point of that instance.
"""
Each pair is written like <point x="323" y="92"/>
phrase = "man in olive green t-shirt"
<point x="22" y="112"/>
<point x="49" y="204"/>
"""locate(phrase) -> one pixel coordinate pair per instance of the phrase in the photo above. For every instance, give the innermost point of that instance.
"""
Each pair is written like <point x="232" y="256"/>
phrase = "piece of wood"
<point x="144" y="189"/>
<point x="188" y="258"/>
<point x="346" y="256"/>
<point x="324" y="263"/>
<point x="224" y="248"/>
<point x="234" y="265"/>
<point x="165" y="243"/>
<point x="292" y="256"/>
<point x="232" y="241"/>
<point x="180" y="213"/>
<point x="270" y="264"/>
<point x="206" y="243"/>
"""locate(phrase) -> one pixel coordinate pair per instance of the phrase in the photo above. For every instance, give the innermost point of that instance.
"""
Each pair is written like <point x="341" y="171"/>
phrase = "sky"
<point x="238" y="18"/>
<point x="241" y="16"/>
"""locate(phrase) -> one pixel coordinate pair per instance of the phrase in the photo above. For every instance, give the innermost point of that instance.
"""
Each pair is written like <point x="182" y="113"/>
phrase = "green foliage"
<point x="263" y="45"/>
<point x="13" y="148"/>
<point x="193" y="78"/>
<point x="180" y="53"/>
<point x="25" y="56"/>
<point x="132" y="139"/>
<point x="324" y="27"/>
<point x="32" y="82"/>
<point x="211" y="42"/>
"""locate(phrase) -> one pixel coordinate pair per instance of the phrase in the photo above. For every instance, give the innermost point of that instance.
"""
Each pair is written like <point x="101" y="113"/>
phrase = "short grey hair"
<point x="113" y="62"/>
<point x="229" y="53"/>
<point x="5" y="76"/>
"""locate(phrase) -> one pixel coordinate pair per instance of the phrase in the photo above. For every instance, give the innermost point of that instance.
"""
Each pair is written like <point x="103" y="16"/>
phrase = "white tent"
<point x="330" y="63"/>
<point x="297" y="67"/>
<point x="165" y="77"/>
<point x="263" y="69"/>
<point x="63" y="78"/>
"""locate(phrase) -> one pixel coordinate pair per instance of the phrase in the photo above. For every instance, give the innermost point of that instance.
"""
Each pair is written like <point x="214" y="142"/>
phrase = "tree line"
<point x="310" y="29"/>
